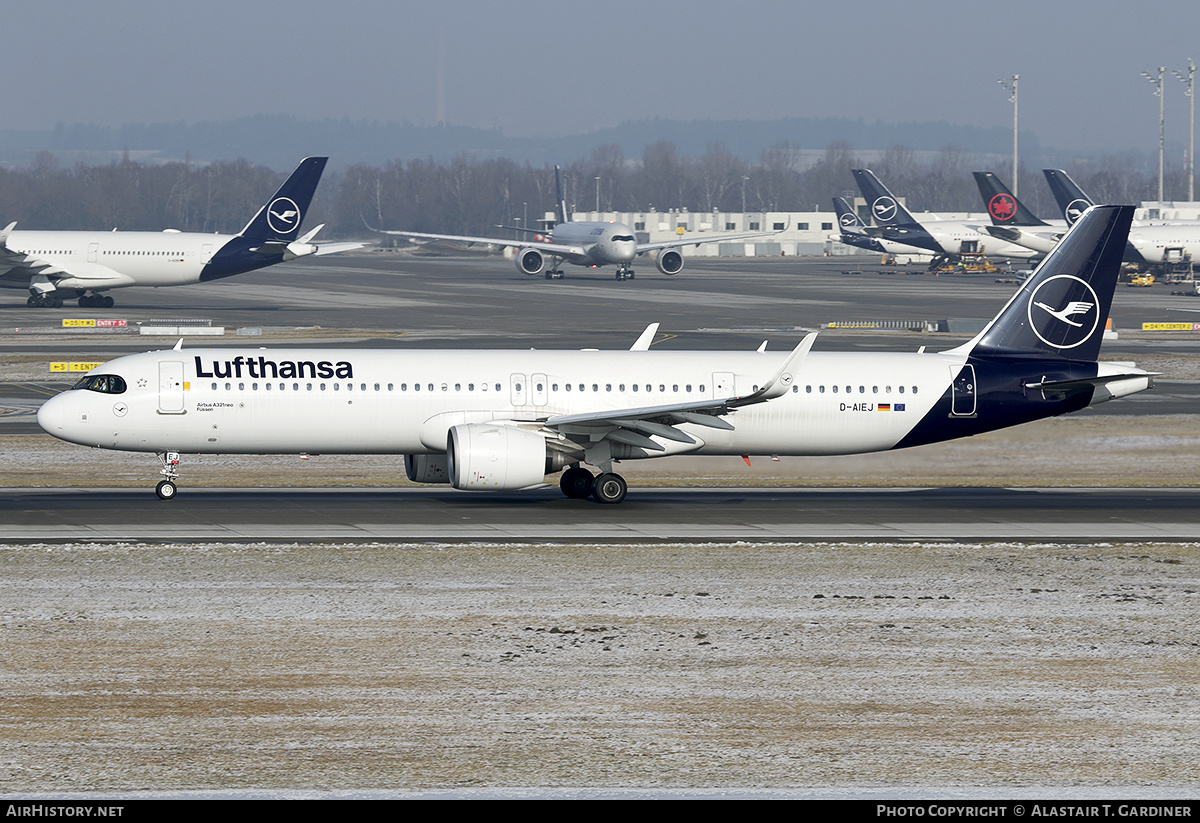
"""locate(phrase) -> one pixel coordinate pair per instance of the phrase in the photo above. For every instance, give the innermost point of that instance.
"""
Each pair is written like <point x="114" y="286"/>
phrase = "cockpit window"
<point x="623" y="237"/>
<point x="103" y="383"/>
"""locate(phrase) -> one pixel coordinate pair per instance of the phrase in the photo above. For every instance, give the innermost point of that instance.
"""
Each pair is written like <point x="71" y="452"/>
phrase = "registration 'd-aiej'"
<point x="503" y="420"/>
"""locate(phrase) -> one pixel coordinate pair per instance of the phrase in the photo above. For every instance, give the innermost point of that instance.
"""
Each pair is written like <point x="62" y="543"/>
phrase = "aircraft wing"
<point x="696" y="241"/>
<point x="26" y="264"/>
<point x="337" y="248"/>
<point x="560" y="249"/>
<point x="635" y="426"/>
<point x="27" y="269"/>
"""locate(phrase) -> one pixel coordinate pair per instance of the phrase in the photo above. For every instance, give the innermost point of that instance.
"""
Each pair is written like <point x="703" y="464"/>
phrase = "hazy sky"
<point x="532" y="67"/>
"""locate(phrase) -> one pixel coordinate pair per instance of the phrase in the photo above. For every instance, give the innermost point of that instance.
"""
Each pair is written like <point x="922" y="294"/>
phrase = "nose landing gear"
<point x="166" y="489"/>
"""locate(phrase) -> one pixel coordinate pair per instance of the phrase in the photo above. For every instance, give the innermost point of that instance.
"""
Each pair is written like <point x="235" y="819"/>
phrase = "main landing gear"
<point x="46" y="300"/>
<point x="554" y="274"/>
<point x="167" y="488"/>
<point x="95" y="301"/>
<point x="578" y="483"/>
<point x="54" y="300"/>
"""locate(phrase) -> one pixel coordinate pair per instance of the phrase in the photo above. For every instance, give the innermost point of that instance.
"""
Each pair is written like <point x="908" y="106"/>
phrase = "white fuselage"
<point x="603" y="243"/>
<point x="261" y="401"/>
<point x="955" y="237"/>
<point x="108" y="260"/>
<point x="1153" y="242"/>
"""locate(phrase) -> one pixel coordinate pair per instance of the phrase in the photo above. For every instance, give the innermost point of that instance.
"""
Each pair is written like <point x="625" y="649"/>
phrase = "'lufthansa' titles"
<point x="262" y="367"/>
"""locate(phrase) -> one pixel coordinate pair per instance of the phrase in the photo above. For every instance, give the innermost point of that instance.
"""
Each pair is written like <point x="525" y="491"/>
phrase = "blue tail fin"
<point x="279" y="220"/>
<point x="847" y="219"/>
<point x="885" y="208"/>
<point x="1061" y="308"/>
<point x="1071" y="199"/>
<point x="1002" y="205"/>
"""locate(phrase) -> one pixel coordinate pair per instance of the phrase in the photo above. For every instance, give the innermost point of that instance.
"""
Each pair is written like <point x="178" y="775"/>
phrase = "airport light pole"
<point x="1190" y="79"/>
<point x="1011" y="88"/>
<point x="597" y="197"/>
<point x="1157" y="80"/>
<point x="744" y="179"/>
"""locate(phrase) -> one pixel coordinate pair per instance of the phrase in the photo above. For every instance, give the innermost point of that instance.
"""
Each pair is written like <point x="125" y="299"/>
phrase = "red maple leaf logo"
<point x="1002" y="207"/>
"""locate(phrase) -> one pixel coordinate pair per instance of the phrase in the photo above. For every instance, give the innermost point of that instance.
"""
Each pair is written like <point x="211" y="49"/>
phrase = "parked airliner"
<point x="1153" y="245"/>
<point x="590" y="244"/>
<point x="945" y="238"/>
<point x="59" y="265"/>
<point x="853" y="232"/>
<point x="1012" y="221"/>
<point x="502" y="420"/>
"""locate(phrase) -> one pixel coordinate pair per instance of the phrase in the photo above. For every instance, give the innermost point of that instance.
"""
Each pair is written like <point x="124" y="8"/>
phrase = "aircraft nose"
<point x="51" y="416"/>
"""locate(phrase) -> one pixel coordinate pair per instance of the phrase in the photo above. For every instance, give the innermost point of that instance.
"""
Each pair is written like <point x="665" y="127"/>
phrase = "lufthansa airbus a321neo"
<point x="503" y="420"/>
<point x="55" y="266"/>
<point x="590" y="244"/>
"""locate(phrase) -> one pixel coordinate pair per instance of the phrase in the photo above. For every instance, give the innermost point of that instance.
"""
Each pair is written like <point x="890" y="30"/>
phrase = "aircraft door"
<point x="962" y="392"/>
<point x="537" y="383"/>
<point x="170" y="387"/>
<point x="517" y="389"/>
<point x="93" y="251"/>
<point x="206" y="252"/>
<point x="723" y="384"/>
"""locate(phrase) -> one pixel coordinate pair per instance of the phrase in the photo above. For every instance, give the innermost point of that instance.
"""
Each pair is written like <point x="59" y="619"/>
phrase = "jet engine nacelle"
<point x="530" y="261"/>
<point x="426" y="468"/>
<point x="669" y="261"/>
<point x="488" y="457"/>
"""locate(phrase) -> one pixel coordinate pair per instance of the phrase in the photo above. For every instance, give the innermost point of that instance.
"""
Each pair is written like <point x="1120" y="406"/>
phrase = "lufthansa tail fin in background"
<point x="848" y="221"/>
<point x="1071" y="199"/>
<point x="1061" y="309"/>
<point x="885" y="208"/>
<point x="279" y="220"/>
<point x="1002" y="205"/>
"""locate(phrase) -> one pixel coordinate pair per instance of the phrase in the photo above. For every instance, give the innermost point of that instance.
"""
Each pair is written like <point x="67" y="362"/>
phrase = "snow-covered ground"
<point x="847" y="667"/>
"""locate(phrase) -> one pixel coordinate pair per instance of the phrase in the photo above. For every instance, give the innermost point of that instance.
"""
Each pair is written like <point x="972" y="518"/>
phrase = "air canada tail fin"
<point x="1002" y="205"/>
<point x="1071" y="199"/>
<point x="1060" y="310"/>
<point x="563" y="217"/>
<point x="885" y="208"/>
<point x="279" y="220"/>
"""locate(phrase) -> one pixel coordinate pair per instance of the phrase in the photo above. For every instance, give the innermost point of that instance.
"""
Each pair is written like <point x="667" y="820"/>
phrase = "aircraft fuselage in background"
<point x="58" y="265"/>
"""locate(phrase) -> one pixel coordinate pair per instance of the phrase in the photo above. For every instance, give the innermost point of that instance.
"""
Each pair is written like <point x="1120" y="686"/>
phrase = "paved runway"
<point x="391" y="300"/>
<point x="649" y="514"/>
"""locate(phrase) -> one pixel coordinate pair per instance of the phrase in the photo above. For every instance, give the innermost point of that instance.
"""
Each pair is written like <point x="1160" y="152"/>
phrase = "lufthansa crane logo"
<point x="884" y="209"/>
<point x="848" y="221"/>
<point x="283" y="215"/>
<point x="1075" y="210"/>
<point x="1063" y="311"/>
<point x="1002" y="207"/>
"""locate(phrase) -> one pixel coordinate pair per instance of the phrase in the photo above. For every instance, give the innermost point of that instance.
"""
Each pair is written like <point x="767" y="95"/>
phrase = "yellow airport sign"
<point x="1170" y="326"/>
<point x="69" y="323"/>
<point x="69" y="367"/>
